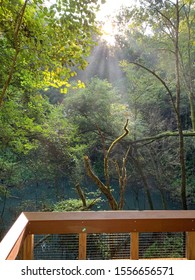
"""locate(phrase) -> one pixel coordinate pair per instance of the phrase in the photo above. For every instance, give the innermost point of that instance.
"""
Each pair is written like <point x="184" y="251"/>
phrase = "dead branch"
<point x="103" y="188"/>
<point x="106" y="158"/>
<point x="102" y="139"/>
<point x="123" y="179"/>
<point x="81" y="195"/>
<point x="165" y="134"/>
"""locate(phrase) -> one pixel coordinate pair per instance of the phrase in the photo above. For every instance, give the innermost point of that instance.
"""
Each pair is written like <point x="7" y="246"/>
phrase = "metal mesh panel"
<point x="108" y="246"/>
<point x="162" y="245"/>
<point x="56" y="247"/>
<point x="99" y="246"/>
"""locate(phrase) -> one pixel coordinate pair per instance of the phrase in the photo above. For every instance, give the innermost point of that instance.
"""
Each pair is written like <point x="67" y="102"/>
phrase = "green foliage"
<point x="73" y="205"/>
<point x="95" y="107"/>
<point x="170" y="247"/>
<point x="37" y="141"/>
<point x="42" y="43"/>
<point x="43" y="139"/>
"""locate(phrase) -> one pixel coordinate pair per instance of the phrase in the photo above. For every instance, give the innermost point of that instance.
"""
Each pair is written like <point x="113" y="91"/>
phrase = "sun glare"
<point x="108" y="33"/>
<point x="106" y="14"/>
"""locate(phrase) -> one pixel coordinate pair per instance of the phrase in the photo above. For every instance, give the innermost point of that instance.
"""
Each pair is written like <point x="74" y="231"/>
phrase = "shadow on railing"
<point x="19" y="241"/>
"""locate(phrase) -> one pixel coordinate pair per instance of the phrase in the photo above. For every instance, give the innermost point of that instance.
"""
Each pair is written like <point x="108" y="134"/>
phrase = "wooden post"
<point x="82" y="246"/>
<point x="134" y="246"/>
<point x="190" y="245"/>
<point x="28" y="248"/>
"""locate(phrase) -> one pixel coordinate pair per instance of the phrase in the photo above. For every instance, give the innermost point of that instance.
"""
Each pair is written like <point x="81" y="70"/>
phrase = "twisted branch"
<point x="106" y="158"/>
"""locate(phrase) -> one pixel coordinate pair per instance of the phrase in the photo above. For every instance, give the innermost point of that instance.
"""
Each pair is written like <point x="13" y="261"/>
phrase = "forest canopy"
<point x="86" y="124"/>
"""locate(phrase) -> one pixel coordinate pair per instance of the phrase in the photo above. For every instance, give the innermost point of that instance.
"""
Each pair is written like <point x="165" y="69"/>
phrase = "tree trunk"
<point x="178" y="101"/>
<point x="192" y="109"/>
<point x="188" y="75"/>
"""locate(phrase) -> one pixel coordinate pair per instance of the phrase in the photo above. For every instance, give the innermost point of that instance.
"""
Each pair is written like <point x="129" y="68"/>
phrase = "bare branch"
<point x="166" y="134"/>
<point x="165" y="17"/>
<point x="106" y="158"/>
<point x="160" y="79"/>
<point x="103" y="188"/>
<point x="81" y="195"/>
<point x="102" y="139"/>
<point x="123" y="179"/>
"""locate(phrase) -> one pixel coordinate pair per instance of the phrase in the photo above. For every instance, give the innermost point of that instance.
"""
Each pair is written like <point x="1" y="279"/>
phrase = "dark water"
<point x="36" y="197"/>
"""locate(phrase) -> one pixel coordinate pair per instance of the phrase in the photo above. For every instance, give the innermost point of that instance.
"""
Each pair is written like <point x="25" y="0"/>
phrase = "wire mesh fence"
<point x="162" y="245"/>
<point x="56" y="247"/>
<point x="109" y="246"/>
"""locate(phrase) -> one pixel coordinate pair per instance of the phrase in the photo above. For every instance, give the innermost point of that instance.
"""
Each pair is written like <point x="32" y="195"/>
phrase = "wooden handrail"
<point x="12" y="242"/>
<point x="30" y="223"/>
<point x="102" y="221"/>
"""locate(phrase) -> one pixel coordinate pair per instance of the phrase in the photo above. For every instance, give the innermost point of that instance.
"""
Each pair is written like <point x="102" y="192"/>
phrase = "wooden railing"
<point x="20" y="238"/>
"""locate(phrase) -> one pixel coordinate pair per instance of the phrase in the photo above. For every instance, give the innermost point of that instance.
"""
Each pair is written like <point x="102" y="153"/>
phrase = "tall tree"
<point x="167" y="23"/>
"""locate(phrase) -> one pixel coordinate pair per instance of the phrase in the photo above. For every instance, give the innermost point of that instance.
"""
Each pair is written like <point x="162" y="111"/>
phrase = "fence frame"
<point x="20" y="237"/>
